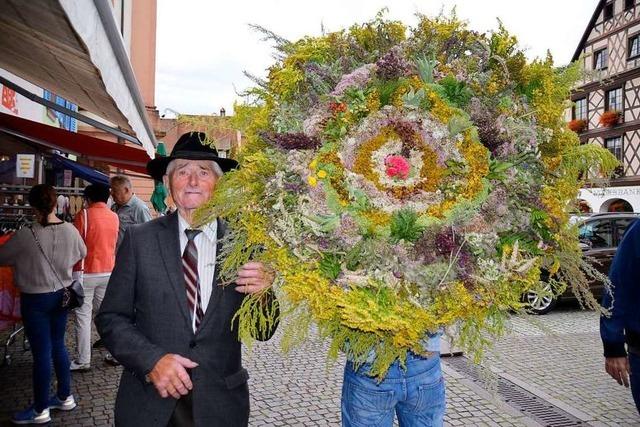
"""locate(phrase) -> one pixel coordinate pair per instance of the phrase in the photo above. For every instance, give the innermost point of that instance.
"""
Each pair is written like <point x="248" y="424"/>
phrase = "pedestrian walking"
<point x="98" y="226"/>
<point x="43" y="257"/>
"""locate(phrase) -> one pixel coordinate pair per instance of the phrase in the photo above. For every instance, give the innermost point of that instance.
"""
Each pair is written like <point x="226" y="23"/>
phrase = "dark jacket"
<point x="145" y="315"/>
<point x="624" y="300"/>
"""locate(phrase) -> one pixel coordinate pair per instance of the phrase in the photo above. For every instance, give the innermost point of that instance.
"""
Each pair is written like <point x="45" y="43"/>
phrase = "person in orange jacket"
<point x="98" y="226"/>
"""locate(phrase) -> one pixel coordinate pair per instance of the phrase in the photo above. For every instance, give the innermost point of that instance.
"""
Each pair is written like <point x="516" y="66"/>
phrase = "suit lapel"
<point x="216" y="291"/>
<point x="169" y="242"/>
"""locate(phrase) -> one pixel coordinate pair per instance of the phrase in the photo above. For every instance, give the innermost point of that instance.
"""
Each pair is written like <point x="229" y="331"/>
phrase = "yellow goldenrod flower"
<point x="313" y="164"/>
<point x="322" y="174"/>
<point x="312" y="181"/>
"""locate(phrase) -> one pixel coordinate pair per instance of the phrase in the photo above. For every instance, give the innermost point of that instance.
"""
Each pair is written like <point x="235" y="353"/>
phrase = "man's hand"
<point x="253" y="277"/>
<point x="618" y="368"/>
<point x="170" y="376"/>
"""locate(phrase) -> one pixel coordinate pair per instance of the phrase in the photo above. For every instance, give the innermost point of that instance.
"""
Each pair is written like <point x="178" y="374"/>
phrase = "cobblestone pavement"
<point x="556" y="357"/>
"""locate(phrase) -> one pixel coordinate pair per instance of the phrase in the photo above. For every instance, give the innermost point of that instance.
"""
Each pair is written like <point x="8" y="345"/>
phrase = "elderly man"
<point x="166" y="318"/>
<point x="130" y="209"/>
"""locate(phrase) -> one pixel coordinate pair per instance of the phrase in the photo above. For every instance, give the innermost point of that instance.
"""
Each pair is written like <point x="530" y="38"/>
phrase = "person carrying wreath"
<point x="166" y="317"/>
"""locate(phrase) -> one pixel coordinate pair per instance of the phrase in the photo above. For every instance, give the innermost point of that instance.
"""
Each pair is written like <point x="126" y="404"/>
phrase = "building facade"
<point x="606" y="107"/>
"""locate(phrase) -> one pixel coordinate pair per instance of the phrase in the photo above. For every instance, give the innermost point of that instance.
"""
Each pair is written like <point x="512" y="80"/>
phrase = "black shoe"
<point x="98" y="344"/>
<point x="110" y="360"/>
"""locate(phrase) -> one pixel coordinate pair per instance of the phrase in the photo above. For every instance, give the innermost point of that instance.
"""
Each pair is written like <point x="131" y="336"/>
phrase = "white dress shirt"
<point x="206" y="243"/>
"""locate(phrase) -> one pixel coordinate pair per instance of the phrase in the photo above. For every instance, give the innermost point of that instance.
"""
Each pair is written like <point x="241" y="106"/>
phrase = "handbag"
<point x="72" y="295"/>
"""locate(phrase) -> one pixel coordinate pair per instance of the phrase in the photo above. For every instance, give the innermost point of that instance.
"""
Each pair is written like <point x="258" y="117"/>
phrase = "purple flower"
<point x="446" y="242"/>
<point x="393" y="65"/>
<point x="356" y="79"/>
<point x="291" y="141"/>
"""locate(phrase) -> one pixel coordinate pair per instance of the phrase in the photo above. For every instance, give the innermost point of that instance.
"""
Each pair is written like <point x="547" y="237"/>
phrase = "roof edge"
<point x="585" y="36"/>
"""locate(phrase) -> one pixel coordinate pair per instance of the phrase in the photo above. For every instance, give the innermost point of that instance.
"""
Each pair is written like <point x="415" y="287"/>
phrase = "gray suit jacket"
<point x="145" y="315"/>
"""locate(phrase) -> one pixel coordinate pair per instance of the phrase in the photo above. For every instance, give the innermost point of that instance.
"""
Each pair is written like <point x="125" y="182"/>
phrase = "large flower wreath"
<point x="403" y="179"/>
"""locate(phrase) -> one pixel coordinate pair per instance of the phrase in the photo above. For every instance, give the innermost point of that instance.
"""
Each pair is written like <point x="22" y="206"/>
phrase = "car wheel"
<point x="540" y="304"/>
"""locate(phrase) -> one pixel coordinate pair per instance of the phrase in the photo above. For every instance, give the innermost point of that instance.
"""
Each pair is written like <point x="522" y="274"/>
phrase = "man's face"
<point x="121" y="194"/>
<point x="191" y="183"/>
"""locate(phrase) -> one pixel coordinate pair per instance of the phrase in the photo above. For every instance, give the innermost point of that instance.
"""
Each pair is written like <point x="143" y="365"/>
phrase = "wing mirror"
<point x="585" y="245"/>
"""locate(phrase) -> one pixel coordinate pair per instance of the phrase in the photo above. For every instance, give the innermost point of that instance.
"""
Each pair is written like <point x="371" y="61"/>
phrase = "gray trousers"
<point x="94" y="289"/>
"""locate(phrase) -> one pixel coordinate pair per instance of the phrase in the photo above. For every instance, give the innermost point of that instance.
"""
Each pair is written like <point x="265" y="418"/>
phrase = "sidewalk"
<point x="560" y="366"/>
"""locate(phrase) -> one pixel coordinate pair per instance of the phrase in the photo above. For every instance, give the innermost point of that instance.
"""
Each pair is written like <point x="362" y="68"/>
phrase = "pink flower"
<point x="397" y="167"/>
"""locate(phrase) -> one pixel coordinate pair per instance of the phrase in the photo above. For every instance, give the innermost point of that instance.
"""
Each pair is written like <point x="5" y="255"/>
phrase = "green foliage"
<point x="498" y="169"/>
<point x="455" y="91"/>
<point x="353" y="259"/>
<point x="330" y="265"/>
<point x="257" y="317"/>
<point x="378" y="35"/>
<point x="589" y="159"/>
<point x="459" y="124"/>
<point x="404" y="226"/>
<point x="386" y="90"/>
<point x="525" y="242"/>
<point x="539" y="220"/>
<point x="413" y="99"/>
<point x="426" y="67"/>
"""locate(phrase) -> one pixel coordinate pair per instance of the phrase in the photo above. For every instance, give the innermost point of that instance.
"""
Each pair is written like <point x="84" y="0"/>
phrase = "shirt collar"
<point x="210" y="230"/>
<point x="130" y="202"/>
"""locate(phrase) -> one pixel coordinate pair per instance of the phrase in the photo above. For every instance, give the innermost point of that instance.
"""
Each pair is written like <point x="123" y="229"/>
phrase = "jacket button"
<point x="192" y="344"/>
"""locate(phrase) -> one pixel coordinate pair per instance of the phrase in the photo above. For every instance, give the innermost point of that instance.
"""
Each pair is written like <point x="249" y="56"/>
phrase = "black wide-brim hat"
<point x="190" y="146"/>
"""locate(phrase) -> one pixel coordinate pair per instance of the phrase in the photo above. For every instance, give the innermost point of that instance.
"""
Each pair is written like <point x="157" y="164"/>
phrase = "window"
<point x="615" y="146"/>
<point x="634" y="46"/>
<point x="600" y="59"/>
<point x="621" y="225"/>
<point x="629" y="4"/>
<point x="580" y="109"/>
<point x="613" y="101"/>
<point x="608" y="11"/>
<point x="597" y="234"/>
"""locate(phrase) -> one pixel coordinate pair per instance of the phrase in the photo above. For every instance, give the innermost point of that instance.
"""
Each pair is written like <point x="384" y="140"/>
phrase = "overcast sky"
<point x="203" y="45"/>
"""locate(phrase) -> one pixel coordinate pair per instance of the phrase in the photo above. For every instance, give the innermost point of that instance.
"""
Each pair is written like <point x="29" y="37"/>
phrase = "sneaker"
<point x="109" y="359"/>
<point x="64" y="405"/>
<point x="79" y="367"/>
<point x="30" y="416"/>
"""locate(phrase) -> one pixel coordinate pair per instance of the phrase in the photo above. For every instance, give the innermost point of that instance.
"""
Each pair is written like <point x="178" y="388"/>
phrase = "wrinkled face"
<point x="121" y="194"/>
<point x="191" y="183"/>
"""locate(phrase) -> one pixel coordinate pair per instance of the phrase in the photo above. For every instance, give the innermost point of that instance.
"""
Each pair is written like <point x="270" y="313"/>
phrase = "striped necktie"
<point x="191" y="279"/>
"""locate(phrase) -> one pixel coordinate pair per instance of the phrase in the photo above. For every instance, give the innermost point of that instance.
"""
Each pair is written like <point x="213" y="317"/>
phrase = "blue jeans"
<point x="634" y="365"/>
<point x="44" y="324"/>
<point x="416" y="395"/>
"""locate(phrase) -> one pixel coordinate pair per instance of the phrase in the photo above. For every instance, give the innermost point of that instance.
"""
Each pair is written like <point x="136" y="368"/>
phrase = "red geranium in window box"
<point x="610" y="118"/>
<point x="577" y="125"/>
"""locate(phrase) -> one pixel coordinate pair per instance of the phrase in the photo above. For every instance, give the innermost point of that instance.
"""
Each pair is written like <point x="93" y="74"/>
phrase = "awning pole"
<point x="37" y="99"/>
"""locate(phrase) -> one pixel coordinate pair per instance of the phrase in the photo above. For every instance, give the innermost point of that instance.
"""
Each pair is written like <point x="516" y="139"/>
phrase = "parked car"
<point x="599" y="236"/>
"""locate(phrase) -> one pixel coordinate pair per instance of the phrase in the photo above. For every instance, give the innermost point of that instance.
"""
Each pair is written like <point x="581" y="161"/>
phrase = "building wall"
<point x="621" y="72"/>
<point x="136" y="20"/>
<point x="143" y="48"/>
<point x="612" y="34"/>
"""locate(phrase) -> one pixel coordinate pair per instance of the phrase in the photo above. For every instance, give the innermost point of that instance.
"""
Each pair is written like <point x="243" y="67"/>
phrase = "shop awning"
<point x="117" y="155"/>
<point x="83" y="171"/>
<point x="74" y="49"/>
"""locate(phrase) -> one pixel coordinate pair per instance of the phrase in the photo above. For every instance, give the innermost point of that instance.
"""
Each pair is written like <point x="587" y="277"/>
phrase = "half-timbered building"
<point x="606" y="107"/>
